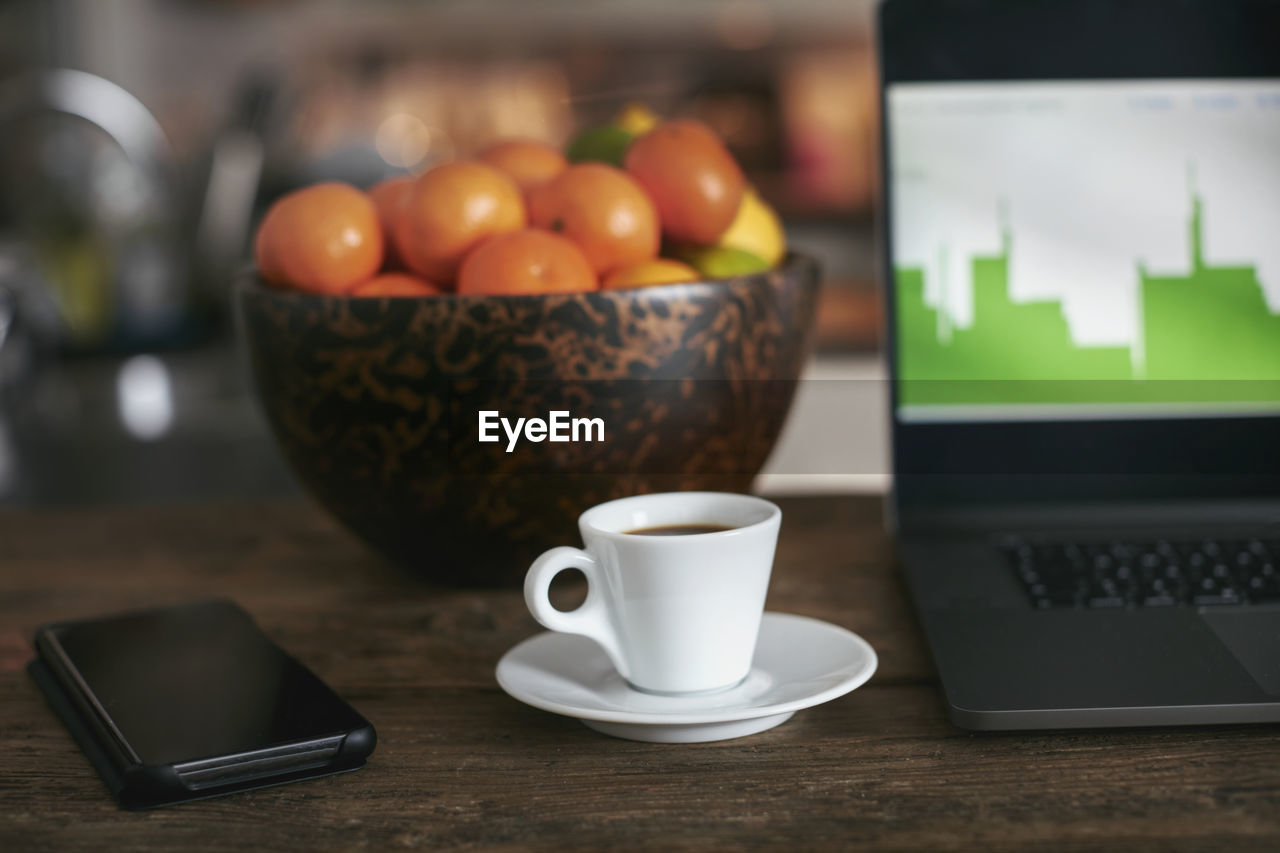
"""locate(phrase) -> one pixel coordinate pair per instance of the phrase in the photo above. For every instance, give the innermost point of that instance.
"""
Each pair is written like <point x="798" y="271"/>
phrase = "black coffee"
<point x="679" y="530"/>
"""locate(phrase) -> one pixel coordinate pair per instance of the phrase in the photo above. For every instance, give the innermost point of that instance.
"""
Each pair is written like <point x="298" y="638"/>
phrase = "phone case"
<point x="140" y="786"/>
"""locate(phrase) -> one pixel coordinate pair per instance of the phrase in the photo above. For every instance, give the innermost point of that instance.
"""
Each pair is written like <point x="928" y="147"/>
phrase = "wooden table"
<point x="460" y="764"/>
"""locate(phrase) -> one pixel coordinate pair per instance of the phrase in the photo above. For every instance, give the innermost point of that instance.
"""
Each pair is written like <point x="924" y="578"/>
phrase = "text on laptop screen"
<point x="1086" y="249"/>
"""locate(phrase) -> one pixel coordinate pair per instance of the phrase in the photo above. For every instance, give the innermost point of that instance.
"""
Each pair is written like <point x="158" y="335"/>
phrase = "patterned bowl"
<point x="377" y="404"/>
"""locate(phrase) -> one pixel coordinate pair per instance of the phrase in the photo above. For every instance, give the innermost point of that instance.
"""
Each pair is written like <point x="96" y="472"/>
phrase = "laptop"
<point x="1082" y="207"/>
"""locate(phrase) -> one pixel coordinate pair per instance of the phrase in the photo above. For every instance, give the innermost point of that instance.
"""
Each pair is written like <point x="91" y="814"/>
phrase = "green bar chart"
<point x="1082" y="249"/>
<point x="1208" y="336"/>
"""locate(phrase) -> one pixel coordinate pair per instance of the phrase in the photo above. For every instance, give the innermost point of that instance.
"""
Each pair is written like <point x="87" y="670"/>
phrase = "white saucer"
<point x="799" y="662"/>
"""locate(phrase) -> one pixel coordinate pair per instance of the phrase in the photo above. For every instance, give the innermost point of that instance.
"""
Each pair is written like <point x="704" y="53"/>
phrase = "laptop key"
<point x="1151" y="560"/>
<point x="1261" y="549"/>
<point x="1162" y="573"/>
<point x="1160" y="592"/>
<point x="1226" y="596"/>
<point x="1263" y="589"/>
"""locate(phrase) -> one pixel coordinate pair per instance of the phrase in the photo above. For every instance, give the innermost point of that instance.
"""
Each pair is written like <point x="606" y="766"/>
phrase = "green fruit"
<point x="721" y="261"/>
<point x="604" y="144"/>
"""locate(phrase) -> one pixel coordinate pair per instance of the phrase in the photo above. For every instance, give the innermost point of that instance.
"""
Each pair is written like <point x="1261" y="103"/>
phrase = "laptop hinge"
<point x="1217" y="515"/>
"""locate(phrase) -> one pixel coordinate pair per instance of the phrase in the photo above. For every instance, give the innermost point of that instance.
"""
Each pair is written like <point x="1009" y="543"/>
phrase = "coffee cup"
<point x="676" y="585"/>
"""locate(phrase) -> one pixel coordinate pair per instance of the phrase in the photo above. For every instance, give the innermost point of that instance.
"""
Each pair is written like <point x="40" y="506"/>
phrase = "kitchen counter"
<point x="461" y="764"/>
<point x="65" y="442"/>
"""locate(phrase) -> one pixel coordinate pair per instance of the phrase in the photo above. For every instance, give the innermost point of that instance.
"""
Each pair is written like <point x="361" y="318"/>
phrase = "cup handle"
<point x="591" y="618"/>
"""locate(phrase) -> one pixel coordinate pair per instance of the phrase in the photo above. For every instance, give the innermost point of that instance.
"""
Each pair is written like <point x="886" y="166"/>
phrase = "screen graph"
<point x="1086" y="249"/>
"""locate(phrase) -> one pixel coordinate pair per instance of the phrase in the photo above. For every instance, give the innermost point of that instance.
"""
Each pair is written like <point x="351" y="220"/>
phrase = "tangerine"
<point x="324" y="238"/>
<point x="449" y="211"/>
<point x="389" y="197"/>
<point x="603" y="210"/>
<point x="396" y="284"/>
<point x="527" y="261"/>
<point x="528" y="163"/>
<point x="692" y="178"/>
<point x="656" y="271"/>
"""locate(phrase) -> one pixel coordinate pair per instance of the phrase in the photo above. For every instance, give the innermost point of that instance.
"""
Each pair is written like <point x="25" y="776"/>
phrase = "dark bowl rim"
<point x="793" y="264"/>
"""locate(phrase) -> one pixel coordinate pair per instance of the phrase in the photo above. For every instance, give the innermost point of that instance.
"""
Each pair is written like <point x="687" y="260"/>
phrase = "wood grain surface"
<point x="461" y="765"/>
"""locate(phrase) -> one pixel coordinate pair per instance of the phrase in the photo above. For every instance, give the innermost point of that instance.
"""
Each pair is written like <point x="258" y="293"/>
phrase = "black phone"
<point x="193" y="701"/>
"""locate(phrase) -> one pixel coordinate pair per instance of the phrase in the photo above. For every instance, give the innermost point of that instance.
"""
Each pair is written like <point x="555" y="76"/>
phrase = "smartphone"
<point x="194" y="701"/>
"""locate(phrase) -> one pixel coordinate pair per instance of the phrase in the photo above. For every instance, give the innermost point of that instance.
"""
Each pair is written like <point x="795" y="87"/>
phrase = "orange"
<point x="528" y="163"/>
<point x="449" y="211"/>
<point x="692" y="178"/>
<point x="324" y="239"/>
<point x="656" y="271"/>
<point x="396" y="284"/>
<point x="526" y="261"/>
<point x="389" y="196"/>
<point x="601" y="209"/>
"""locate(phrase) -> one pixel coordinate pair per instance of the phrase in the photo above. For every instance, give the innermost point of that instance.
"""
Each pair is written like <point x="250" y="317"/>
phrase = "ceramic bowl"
<point x="376" y="404"/>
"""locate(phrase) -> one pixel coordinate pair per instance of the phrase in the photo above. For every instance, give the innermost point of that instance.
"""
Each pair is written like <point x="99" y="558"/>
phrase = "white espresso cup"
<point x="677" y="614"/>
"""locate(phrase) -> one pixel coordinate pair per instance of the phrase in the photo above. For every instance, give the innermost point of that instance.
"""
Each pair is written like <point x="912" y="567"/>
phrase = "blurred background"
<point x="140" y="140"/>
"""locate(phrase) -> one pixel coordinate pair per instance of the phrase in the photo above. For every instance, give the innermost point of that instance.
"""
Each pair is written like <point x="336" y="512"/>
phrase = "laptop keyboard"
<point x="1161" y="573"/>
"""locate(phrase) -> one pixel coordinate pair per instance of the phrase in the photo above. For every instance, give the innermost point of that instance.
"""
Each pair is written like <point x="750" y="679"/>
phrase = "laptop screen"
<point x="1085" y="249"/>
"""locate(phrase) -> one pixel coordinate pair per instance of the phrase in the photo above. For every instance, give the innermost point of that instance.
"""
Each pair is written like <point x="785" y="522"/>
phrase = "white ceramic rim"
<point x="589" y="519"/>
<point x="723" y="715"/>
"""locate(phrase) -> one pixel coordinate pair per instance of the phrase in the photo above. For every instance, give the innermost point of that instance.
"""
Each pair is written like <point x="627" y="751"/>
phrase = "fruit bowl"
<point x="377" y="402"/>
